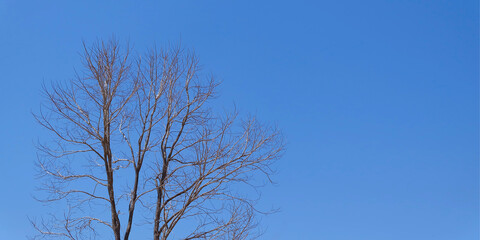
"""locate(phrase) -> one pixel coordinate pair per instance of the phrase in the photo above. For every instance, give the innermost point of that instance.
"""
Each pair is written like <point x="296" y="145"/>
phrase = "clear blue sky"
<point x="379" y="101"/>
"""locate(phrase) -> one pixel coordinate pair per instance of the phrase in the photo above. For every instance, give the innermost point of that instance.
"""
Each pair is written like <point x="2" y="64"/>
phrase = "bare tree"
<point x="140" y="133"/>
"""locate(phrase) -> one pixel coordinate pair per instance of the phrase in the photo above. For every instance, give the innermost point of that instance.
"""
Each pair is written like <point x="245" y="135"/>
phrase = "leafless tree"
<point x="140" y="132"/>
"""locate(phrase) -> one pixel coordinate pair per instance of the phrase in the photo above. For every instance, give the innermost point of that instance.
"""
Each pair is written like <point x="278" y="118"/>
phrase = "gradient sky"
<point x="379" y="101"/>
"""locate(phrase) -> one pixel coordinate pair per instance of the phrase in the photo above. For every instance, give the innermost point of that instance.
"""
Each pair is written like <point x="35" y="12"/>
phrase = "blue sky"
<point x="378" y="100"/>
